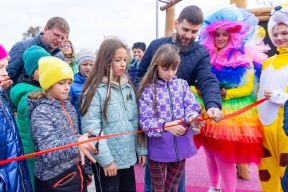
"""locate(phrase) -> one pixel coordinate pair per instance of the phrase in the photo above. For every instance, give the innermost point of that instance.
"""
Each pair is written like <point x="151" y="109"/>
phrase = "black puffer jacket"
<point x="195" y="64"/>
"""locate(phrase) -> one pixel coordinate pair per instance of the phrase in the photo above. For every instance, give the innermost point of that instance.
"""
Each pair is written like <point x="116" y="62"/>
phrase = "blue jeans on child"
<point x="147" y="180"/>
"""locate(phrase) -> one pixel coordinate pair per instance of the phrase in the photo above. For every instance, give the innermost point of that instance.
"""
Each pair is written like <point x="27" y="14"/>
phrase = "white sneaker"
<point x="212" y="189"/>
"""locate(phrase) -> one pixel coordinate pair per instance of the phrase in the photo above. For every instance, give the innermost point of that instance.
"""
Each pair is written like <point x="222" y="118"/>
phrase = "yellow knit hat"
<point x="53" y="70"/>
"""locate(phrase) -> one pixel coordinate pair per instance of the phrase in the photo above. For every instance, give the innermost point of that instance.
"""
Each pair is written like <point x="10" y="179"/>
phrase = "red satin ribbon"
<point x="234" y="114"/>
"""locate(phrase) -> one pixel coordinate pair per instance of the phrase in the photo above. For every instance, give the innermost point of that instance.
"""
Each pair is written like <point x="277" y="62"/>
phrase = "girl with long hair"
<point x="163" y="101"/>
<point x="108" y="105"/>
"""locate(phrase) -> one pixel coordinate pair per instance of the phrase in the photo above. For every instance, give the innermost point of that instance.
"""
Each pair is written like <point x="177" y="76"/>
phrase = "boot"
<point x="243" y="171"/>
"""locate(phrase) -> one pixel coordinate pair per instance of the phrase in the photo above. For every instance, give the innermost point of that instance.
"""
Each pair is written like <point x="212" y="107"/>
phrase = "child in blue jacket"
<point x="14" y="176"/>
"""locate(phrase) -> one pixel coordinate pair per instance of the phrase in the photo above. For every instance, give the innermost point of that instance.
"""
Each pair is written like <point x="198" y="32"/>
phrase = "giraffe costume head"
<point x="278" y="15"/>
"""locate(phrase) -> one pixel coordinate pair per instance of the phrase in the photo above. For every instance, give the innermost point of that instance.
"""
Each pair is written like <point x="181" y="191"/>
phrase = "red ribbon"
<point x="234" y="114"/>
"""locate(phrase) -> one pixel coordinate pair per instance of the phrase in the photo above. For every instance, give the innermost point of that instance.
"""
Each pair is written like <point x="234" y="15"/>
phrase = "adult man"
<point x="195" y="63"/>
<point x="55" y="31"/>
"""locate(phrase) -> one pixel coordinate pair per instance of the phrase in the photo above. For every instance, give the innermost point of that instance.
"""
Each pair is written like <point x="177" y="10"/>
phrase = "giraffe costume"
<point x="274" y="77"/>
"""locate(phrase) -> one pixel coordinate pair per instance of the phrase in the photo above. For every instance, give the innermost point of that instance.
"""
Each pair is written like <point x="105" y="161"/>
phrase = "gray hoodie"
<point x="50" y="128"/>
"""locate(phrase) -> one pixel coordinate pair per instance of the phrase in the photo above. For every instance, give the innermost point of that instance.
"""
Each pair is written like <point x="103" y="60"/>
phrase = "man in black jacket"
<point x="195" y="59"/>
<point x="55" y="31"/>
<point x="195" y="65"/>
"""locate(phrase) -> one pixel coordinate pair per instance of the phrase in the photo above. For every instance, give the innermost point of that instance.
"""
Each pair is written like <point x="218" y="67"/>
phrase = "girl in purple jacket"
<point x="164" y="101"/>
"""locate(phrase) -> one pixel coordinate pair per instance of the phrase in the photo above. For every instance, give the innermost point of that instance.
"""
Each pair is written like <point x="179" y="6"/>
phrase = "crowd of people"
<point x="52" y="96"/>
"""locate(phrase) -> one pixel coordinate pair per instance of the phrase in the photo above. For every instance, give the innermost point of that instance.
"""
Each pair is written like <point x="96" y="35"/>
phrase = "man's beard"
<point x="182" y="46"/>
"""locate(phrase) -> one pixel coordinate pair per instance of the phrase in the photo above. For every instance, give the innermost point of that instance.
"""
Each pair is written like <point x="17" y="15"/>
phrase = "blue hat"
<point x="31" y="57"/>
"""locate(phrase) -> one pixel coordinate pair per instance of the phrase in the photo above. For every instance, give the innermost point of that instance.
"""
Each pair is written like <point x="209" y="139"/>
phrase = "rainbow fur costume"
<point x="237" y="67"/>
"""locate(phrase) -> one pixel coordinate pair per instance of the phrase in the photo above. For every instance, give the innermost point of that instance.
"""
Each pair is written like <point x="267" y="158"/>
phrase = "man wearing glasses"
<point x="55" y="31"/>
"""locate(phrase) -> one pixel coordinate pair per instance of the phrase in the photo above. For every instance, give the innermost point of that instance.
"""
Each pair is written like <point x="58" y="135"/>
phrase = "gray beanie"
<point x="85" y="55"/>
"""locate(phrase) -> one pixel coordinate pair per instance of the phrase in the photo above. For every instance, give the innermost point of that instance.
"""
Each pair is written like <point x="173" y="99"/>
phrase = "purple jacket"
<point x="172" y="103"/>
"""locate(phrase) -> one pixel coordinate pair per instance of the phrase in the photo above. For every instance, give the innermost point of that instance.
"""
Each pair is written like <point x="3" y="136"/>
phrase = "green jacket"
<point x="74" y="67"/>
<point x="18" y="97"/>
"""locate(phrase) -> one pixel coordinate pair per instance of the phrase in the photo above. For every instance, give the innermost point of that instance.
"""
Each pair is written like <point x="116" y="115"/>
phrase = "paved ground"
<point x="197" y="177"/>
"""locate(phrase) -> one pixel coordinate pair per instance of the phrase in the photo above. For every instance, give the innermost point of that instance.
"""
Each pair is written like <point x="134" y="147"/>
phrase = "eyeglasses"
<point x="66" y="46"/>
<point x="57" y="35"/>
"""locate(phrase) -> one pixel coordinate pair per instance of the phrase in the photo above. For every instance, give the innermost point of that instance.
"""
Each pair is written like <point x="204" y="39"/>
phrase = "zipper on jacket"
<point x="122" y="97"/>
<point x="22" y="178"/>
<point x="73" y="132"/>
<point x="172" y="113"/>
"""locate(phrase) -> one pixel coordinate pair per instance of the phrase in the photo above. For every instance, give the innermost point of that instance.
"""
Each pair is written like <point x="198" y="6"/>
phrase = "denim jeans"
<point x="147" y="180"/>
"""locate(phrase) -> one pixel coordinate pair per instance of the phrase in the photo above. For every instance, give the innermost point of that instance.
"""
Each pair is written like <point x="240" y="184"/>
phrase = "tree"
<point x="31" y="32"/>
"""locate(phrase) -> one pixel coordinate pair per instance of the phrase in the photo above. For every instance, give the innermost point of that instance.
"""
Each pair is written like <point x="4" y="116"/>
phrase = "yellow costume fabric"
<point x="274" y="77"/>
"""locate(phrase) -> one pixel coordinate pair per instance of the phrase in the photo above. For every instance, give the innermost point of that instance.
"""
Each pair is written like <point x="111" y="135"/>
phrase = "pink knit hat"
<point x="3" y="53"/>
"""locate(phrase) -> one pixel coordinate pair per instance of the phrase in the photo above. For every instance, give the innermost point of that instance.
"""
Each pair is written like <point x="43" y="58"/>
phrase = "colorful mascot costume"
<point x="274" y="77"/>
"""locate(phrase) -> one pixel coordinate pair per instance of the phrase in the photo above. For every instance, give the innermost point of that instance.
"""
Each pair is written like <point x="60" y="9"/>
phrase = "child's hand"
<point x="141" y="160"/>
<point x="110" y="170"/>
<point x="85" y="148"/>
<point x="89" y="179"/>
<point x="268" y="94"/>
<point x="6" y="82"/>
<point x="176" y="130"/>
<point x="198" y="124"/>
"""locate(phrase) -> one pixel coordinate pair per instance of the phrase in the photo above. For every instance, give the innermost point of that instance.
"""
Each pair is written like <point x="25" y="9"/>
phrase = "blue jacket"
<point x="15" y="66"/>
<point x="75" y="93"/>
<point x="131" y="70"/>
<point x="195" y="65"/>
<point x="285" y="123"/>
<point x="122" y="115"/>
<point x="14" y="176"/>
<point x="284" y="181"/>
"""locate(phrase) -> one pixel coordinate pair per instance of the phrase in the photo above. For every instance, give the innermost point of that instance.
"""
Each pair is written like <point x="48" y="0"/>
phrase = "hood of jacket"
<point x="79" y="79"/>
<point x="123" y="80"/>
<point x="22" y="89"/>
<point x="24" y="78"/>
<point x="33" y="103"/>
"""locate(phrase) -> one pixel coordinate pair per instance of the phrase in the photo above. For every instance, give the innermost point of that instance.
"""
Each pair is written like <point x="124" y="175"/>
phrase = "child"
<point x="274" y="87"/>
<point x="138" y="52"/>
<point x="108" y="105"/>
<point x="163" y="100"/>
<point x="53" y="124"/>
<point x="86" y="59"/>
<point x="69" y="55"/>
<point x="27" y="84"/>
<point x="13" y="176"/>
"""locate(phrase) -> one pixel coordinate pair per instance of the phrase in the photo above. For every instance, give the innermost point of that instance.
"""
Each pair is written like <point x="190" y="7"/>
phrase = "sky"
<point x="91" y="21"/>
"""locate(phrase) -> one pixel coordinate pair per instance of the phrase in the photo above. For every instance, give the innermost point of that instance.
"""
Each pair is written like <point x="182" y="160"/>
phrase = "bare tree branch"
<point x="31" y="32"/>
